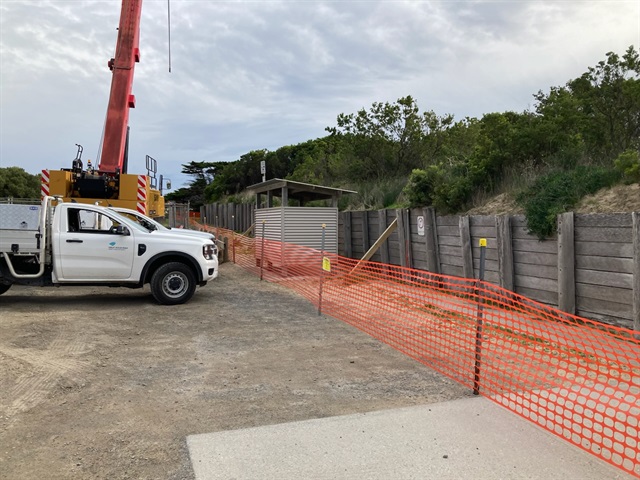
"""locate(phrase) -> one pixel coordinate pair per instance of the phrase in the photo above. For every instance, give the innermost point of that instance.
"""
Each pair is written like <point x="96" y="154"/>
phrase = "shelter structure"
<point x="288" y="190"/>
<point x="301" y="224"/>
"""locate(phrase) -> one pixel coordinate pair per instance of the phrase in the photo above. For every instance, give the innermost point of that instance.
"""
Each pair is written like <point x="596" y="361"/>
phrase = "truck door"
<point x="91" y="250"/>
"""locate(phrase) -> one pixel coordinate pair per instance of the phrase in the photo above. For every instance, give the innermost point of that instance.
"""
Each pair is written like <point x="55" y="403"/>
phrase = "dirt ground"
<point x="105" y="384"/>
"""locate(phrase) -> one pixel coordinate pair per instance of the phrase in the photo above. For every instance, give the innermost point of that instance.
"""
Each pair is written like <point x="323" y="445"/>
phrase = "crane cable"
<point x="169" y="30"/>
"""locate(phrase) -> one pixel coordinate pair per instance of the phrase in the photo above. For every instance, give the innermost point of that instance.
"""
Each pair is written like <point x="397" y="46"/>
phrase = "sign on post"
<point x="326" y="264"/>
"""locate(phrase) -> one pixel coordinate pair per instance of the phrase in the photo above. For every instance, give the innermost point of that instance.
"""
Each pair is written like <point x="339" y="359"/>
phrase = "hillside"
<point x="618" y="199"/>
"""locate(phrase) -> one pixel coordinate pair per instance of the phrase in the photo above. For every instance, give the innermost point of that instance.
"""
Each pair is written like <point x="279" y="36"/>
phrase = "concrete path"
<point x="471" y="438"/>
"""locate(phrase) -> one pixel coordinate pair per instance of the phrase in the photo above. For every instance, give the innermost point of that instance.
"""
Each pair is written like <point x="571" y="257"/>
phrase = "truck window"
<point x="89" y="221"/>
<point x="73" y="223"/>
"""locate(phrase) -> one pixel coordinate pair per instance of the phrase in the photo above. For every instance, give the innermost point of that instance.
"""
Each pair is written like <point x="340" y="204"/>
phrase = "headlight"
<point x="209" y="251"/>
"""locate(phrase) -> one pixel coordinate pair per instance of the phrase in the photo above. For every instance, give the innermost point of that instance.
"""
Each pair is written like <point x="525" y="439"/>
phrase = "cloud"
<point x="254" y="74"/>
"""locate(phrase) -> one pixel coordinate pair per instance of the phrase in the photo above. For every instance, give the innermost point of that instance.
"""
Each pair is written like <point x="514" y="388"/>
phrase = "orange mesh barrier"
<point x="575" y="377"/>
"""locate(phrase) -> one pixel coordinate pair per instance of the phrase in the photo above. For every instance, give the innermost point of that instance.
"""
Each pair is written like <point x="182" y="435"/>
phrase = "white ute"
<point x="82" y="244"/>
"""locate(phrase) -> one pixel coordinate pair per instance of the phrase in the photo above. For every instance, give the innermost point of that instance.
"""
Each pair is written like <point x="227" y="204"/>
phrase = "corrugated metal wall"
<point x="273" y="219"/>
<point x="300" y="226"/>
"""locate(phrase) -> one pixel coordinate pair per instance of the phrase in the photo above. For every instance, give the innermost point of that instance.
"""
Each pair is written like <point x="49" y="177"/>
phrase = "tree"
<point x="592" y="119"/>
<point x="391" y="137"/>
<point x="234" y="177"/>
<point x="322" y="161"/>
<point x="598" y="112"/>
<point x="204" y="173"/>
<point x="628" y="165"/>
<point x="16" y="182"/>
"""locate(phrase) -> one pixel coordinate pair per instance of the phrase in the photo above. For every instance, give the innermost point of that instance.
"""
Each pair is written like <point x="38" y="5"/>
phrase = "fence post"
<point x="365" y="231"/>
<point x="324" y="226"/>
<point x="478" y="357"/>
<point x="566" y="264"/>
<point x="465" y="244"/>
<point x="231" y="209"/>
<point x="347" y="234"/>
<point x="262" y="253"/>
<point x="431" y="239"/>
<point x="225" y="253"/>
<point x="505" y="252"/>
<point x="233" y="238"/>
<point x="407" y="231"/>
<point x="404" y="237"/>
<point x="636" y="272"/>
<point x="382" y="226"/>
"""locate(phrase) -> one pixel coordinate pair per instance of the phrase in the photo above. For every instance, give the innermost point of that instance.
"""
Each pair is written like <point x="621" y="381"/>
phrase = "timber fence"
<point x="178" y="214"/>
<point x="234" y="216"/>
<point x="591" y="267"/>
<point x="575" y="377"/>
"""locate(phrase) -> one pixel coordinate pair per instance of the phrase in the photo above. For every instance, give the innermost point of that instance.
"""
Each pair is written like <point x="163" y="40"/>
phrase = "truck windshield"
<point x="127" y="221"/>
<point x="146" y="222"/>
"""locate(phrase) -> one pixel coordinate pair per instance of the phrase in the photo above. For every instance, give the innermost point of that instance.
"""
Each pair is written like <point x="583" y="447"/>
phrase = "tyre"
<point x="173" y="283"/>
<point x="4" y="287"/>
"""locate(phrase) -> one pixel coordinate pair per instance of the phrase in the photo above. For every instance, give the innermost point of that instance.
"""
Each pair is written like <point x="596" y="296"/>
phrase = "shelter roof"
<point x="303" y="192"/>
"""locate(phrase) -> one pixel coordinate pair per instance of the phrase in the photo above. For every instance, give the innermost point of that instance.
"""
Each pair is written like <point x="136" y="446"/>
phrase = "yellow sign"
<point x="326" y="264"/>
<point x="483" y="242"/>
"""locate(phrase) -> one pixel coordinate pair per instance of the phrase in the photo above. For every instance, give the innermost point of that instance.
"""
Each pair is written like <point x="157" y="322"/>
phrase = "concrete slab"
<point x="461" y="439"/>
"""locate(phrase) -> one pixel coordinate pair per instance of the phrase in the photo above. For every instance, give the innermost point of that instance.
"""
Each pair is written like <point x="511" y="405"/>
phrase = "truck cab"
<point x="153" y="225"/>
<point x="83" y="244"/>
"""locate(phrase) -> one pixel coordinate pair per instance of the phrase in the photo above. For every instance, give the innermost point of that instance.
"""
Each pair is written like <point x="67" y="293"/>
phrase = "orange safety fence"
<point x="575" y="377"/>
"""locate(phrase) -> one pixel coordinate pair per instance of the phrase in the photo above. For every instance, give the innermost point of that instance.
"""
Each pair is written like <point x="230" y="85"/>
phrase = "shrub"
<point x="558" y="192"/>
<point x="628" y="164"/>
<point x="420" y="188"/>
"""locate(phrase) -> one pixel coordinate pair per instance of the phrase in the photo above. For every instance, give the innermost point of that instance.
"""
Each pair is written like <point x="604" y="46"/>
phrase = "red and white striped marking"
<point x="142" y="194"/>
<point x="44" y="183"/>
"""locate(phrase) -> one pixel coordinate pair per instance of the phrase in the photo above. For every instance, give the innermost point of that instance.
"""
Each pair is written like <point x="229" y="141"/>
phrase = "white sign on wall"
<point x="421" y="226"/>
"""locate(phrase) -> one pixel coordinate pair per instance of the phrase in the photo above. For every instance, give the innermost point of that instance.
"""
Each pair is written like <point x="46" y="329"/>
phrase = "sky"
<point x="250" y="75"/>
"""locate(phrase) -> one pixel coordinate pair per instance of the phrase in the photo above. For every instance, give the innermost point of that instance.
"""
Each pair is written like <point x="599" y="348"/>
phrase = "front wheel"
<point x="173" y="284"/>
<point x="4" y="287"/>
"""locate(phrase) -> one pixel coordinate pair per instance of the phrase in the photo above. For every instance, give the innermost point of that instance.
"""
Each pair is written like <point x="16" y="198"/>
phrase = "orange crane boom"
<point x="109" y="183"/>
<point x="112" y="159"/>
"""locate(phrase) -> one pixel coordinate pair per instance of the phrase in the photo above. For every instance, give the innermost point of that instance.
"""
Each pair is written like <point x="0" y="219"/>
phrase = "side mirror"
<point x="120" y="230"/>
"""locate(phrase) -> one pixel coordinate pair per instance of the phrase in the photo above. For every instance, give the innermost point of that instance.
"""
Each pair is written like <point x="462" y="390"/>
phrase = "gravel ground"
<point x="101" y="383"/>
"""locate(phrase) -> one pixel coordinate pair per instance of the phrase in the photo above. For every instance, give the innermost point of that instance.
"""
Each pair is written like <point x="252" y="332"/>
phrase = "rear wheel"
<point x="173" y="284"/>
<point x="4" y="287"/>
